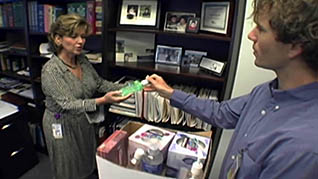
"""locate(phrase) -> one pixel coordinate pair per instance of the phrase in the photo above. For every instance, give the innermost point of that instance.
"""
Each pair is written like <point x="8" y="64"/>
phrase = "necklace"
<point x="73" y="67"/>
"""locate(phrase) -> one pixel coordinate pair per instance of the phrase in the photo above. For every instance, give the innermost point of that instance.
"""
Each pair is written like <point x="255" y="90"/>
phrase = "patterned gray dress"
<point x="69" y="102"/>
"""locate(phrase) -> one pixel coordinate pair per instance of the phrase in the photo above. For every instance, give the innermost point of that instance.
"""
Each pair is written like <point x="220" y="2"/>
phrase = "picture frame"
<point x="215" y="17"/>
<point x="194" y="57"/>
<point x="193" y="25"/>
<point x="168" y="55"/>
<point x="177" y="21"/>
<point x="212" y="66"/>
<point x="142" y="13"/>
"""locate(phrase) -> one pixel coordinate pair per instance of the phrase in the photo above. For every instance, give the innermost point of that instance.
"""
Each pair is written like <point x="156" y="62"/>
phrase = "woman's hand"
<point x="159" y="85"/>
<point x="112" y="97"/>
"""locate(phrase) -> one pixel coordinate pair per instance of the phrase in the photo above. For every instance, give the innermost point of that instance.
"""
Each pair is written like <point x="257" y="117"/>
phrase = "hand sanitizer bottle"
<point x="152" y="161"/>
<point x="135" y="163"/>
<point x="196" y="170"/>
<point x="134" y="87"/>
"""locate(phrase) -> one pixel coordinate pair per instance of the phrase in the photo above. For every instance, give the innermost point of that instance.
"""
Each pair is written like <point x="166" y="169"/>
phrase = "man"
<point x="276" y="124"/>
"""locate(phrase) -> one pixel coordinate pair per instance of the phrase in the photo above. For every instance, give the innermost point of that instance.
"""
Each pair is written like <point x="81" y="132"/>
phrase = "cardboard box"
<point x="187" y="148"/>
<point x="146" y="135"/>
<point x="114" y="148"/>
<point x="108" y="169"/>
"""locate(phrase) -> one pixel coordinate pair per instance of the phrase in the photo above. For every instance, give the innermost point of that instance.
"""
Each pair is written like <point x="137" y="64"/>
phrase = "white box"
<point x="185" y="149"/>
<point x="144" y="136"/>
<point x="108" y="169"/>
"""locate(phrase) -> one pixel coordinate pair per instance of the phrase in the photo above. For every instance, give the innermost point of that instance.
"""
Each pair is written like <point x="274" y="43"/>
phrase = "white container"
<point x="187" y="148"/>
<point x="144" y="137"/>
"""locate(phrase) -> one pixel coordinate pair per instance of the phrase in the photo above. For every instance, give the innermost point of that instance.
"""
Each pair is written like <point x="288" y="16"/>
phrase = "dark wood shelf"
<point x="38" y="56"/>
<point x="150" y="67"/>
<point x="38" y="33"/>
<point x="14" y="75"/>
<point x="12" y="28"/>
<point x="17" y="53"/>
<point x="193" y="35"/>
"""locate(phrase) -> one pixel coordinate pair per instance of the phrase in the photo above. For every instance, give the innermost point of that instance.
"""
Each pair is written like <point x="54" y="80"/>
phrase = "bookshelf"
<point x="24" y="25"/>
<point x="222" y="47"/>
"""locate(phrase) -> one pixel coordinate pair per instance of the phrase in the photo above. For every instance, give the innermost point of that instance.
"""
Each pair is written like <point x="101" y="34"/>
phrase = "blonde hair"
<point x="67" y="25"/>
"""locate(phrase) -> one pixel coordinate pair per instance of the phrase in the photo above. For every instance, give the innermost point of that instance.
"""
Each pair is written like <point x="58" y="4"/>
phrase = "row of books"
<point x="12" y="63"/>
<point x="41" y="16"/>
<point x="154" y="108"/>
<point x="12" y="14"/>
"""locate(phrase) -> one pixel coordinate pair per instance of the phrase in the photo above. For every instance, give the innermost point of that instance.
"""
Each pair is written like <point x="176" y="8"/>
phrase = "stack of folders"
<point x="127" y="107"/>
<point x="154" y="108"/>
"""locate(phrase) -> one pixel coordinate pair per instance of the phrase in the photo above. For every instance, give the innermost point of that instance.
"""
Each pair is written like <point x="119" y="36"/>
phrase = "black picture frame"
<point x="139" y="13"/>
<point x="215" y="16"/>
<point x="168" y="55"/>
<point x="195" y="57"/>
<point x="212" y="66"/>
<point x="193" y="25"/>
<point x="177" y="21"/>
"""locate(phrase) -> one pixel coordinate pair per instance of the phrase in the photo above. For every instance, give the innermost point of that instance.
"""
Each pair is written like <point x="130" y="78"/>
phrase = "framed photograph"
<point x="139" y="13"/>
<point x="194" y="57"/>
<point x="168" y="54"/>
<point x="177" y="21"/>
<point x="215" y="17"/>
<point x="213" y="66"/>
<point x="193" y="25"/>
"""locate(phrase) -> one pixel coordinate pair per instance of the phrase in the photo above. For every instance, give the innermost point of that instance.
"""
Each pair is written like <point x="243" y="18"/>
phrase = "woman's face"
<point x="73" y="44"/>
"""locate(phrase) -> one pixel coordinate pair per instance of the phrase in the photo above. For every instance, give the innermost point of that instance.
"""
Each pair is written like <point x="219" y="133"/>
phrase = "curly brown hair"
<point x="295" y="22"/>
<point x="67" y="25"/>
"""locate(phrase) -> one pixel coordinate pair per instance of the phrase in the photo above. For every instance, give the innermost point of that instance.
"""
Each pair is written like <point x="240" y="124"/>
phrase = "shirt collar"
<point x="62" y="66"/>
<point x="305" y="92"/>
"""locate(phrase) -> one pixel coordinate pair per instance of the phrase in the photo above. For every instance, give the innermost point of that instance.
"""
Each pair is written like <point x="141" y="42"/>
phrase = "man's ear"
<point x="295" y="50"/>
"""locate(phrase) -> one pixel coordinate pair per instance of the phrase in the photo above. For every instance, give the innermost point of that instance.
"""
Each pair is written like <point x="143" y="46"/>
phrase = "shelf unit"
<point x="220" y="47"/>
<point x="32" y="40"/>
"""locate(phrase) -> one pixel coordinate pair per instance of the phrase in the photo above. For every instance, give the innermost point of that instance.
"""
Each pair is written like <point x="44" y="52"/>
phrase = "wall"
<point x="247" y="76"/>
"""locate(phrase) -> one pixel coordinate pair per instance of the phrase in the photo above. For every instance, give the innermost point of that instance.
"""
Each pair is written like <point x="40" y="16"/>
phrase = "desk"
<point x="17" y="154"/>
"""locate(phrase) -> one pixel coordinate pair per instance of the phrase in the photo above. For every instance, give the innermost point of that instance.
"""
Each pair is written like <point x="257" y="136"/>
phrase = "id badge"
<point x="235" y="167"/>
<point x="57" y="131"/>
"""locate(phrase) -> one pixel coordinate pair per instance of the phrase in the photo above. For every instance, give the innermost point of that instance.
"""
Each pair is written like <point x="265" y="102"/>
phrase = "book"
<point x="99" y="16"/>
<point x="81" y="9"/>
<point x="18" y="15"/>
<point x="40" y="27"/>
<point x="48" y="9"/>
<point x="57" y="11"/>
<point x="91" y="15"/>
<point x="1" y="19"/>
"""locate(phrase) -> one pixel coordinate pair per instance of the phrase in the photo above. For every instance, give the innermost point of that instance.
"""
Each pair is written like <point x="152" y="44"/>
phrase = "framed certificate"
<point x="139" y="13"/>
<point x="215" y="17"/>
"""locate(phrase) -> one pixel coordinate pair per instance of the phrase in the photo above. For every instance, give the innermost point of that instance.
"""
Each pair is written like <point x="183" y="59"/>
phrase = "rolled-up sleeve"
<point x="224" y="114"/>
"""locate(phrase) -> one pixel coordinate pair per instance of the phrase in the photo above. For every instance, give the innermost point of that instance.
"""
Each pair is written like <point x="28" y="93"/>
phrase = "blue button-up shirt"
<point x="277" y="130"/>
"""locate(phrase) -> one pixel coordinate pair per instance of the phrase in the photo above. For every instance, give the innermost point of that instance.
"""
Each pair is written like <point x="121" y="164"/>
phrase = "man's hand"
<point x="159" y="85"/>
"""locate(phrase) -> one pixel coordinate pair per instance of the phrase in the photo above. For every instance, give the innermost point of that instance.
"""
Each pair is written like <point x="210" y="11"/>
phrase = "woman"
<point x="69" y="82"/>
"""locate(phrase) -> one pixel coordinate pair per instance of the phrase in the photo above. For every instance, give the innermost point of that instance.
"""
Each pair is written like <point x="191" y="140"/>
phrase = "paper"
<point x="7" y="109"/>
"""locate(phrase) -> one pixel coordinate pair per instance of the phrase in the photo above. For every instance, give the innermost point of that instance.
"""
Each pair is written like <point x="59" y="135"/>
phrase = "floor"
<point x="41" y="171"/>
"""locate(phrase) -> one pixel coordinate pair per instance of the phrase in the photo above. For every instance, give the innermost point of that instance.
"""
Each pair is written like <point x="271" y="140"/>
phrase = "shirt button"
<point x="233" y="157"/>
<point x="245" y="135"/>
<point x="263" y="112"/>
<point x="277" y="107"/>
